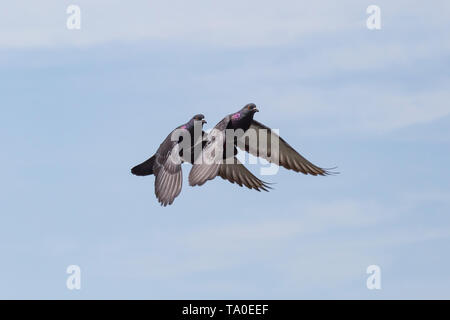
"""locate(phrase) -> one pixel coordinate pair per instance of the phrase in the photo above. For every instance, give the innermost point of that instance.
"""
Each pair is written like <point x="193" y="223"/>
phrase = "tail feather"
<point x="145" y="168"/>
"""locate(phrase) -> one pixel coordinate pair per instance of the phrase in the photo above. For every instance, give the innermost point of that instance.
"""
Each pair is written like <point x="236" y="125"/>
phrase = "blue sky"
<point x="80" y="108"/>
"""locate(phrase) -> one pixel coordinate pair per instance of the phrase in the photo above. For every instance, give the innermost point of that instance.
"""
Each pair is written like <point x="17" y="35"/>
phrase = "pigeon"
<point x="227" y="166"/>
<point x="165" y="164"/>
<point x="243" y="127"/>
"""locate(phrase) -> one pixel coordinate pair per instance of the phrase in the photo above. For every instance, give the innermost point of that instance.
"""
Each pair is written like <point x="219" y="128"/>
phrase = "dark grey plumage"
<point x="227" y="167"/>
<point x="284" y="155"/>
<point x="287" y="156"/>
<point x="166" y="165"/>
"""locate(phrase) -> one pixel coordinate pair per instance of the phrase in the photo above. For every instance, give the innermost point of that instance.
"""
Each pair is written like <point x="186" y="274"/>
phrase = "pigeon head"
<point x="199" y="117"/>
<point x="248" y="110"/>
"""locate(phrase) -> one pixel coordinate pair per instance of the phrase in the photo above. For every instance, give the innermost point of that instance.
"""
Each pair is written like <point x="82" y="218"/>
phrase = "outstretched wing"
<point x="206" y="167"/>
<point x="236" y="172"/>
<point x="214" y="165"/>
<point x="167" y="169"/>
<point x="265" y="146"/>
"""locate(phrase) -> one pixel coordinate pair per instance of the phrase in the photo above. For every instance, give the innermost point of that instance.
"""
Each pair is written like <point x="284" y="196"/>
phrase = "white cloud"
<point x="229" y="23"/>
<point x="366" y="107"/>
<point x="221" y="23"/>
<point x="330" y="36"/>
<point x="213" y="247"/>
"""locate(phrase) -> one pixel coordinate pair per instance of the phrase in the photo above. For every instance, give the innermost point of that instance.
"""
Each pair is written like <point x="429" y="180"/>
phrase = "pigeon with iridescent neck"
<point x="165" y="164"/>
<point x="267" y="145"/>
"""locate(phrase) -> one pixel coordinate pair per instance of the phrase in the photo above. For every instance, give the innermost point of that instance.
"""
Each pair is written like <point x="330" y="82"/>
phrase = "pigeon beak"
<point x="204" y="121"/>
<point x="256" y="110"/>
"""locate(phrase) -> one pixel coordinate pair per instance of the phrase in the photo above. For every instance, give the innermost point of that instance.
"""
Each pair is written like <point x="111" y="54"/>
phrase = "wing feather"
<point x="237" y="173"/>
<point x="214" y="164"/>
<point x="285" y="156"/>
<point x="169" y="175"/>
<point x="208" y="167"/>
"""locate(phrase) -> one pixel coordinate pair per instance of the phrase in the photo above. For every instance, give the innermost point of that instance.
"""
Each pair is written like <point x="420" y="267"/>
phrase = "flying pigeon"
<point x="165" y="164"/>
<point x="219" y="141"/>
